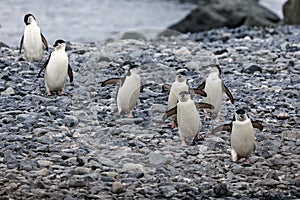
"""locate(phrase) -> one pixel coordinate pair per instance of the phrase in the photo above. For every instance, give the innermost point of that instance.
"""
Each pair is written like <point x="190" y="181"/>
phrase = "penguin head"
<point x="241" y="115"/>
<point x="60" y="44"/>
<point x="131" y="67"/>
<point x="29" y="18"/>
<point x="184" y="96"/>
<point x="215" y="68"/>
<point x="181" y="75"/>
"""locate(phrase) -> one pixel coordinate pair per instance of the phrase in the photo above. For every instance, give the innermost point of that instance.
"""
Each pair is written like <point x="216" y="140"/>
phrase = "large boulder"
<point x="291" y="12"/>
<point x="219" y="13"/>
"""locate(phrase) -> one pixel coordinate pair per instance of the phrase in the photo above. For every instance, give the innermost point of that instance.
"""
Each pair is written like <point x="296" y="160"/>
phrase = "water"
<point x="94" y="20"/>
<point x="89" y="20"/>
<point x="274" y="5"/>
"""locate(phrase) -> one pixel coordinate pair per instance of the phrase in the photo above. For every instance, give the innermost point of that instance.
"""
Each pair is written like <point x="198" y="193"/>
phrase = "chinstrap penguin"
<point x="214" y="88"/>
<point x="32" y="40"/>
<point x="188" y="118"/>
<point x="129" y="89"/>
<point x="179" y="85"/>
<point x="242" y="138"/>
<point x="56" y="69"/>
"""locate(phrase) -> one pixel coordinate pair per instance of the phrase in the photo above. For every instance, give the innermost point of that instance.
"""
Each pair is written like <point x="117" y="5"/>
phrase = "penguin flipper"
<point x="257" y="125"/>
<point x="201" y="86"/>
<point x="172" y="111"/>
<point x="21" y="44"/>
<point x="142" y="88"/>
<point x="70" y="73"/>
<point x="228" y="93"/>
<point x="200" y="92"/>
<point x="224" y="127"/>
<point x="44" y="66"/>
<point x="44" y="41"/>
<point x="113" y="81"/>
<point x="204" y="106"/>
<point x="165" y="87"/>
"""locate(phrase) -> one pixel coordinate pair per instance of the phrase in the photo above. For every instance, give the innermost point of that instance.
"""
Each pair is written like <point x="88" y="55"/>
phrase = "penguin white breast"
<point x="56" y="70"/>
<point x="176" y="88"/>
<point x="188" y="118"/>
<point x="242" y="138"/>
<point x="32" y="42"/>
<point x="129" y="92"/>
<point x="214" y="91"/>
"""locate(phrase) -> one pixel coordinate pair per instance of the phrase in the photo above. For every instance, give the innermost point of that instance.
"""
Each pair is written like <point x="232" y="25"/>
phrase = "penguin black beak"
<point x="242" y="117"/>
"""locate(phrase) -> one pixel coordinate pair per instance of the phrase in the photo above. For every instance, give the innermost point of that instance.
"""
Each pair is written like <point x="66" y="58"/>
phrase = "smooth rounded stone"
<point x="221" y="189"/>
<point x="136" y="54"/>
<point x="107" y="179"/>
<point x="118" y="187"/>
<point x="77" y="183"/>
<point x="158" y="108"/>
<point x="106" y="161"/>
<point x="281" y="115"/>
<point x="156" y="158"/>
<point x="8" y="91"/>
<point x="136" y="143"/>
<point x="44" y="163"/>
<point x="133" y="167"/>
<point x="2" y="85"/>
<point x="70" y="121"/>
<point x="29" y="165"/>
<point x="182" y="51"/>
<point x="42" y="172"/>
<point x="110" y="174"/>
<point x="129" y="121"/>
<point x="81" y="170"/>
<point x="252" y="69"/>
<point x="168" y="191"/>
<point x="290" y="135"/>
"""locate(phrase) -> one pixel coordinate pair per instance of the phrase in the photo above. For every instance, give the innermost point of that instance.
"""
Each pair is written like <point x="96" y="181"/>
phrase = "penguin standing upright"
<point x="32" y="39"/>
<point x="188" y="118"/>
<point x="129" y="90"/>
<point x="242" y="139"/>
<point x="56" y="69"/>
<point x="214" y="88"/>
<point x="180" y="84"/>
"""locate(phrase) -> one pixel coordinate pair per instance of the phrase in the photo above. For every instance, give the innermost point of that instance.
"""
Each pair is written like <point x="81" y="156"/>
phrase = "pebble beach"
<point x="77" y="146"/>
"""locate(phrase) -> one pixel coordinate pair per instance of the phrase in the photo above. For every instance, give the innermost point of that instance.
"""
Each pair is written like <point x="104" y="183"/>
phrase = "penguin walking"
<point x="188" y="118"/>
<point x="32" y="39"/>
<point x="129" y="90"/>
<point x="242" y="139"/>
<point x="56" y="69"/>
<point x="214" y="88"/>
<point x="180" y="84"/>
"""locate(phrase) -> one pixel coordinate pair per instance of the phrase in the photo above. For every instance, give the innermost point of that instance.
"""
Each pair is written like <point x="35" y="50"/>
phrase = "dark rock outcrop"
<point x="218" y="13"/>
<point x="291" y="12"/>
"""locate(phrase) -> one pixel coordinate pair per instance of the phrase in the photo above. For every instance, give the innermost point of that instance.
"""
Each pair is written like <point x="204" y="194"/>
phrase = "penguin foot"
<point x="198" y="137"/>
<point x="61" y="92"/>
<point x="183" y="144"/>
<point x="130" y="115"/>
<point x="246" y="161"/>
<point x="207" y="116"/>
<point x="173" y="125"/>
<point x="218" y="117"/>
<point x="49" y="94"/>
